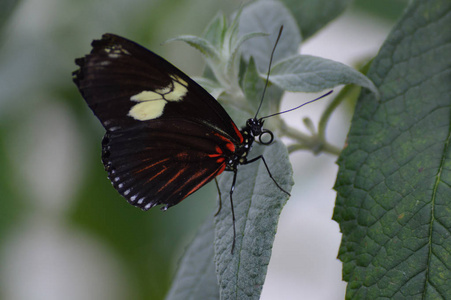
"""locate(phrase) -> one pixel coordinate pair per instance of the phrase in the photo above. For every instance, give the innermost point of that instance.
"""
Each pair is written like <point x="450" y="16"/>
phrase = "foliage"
<point x="257" y="203"/>
<point x="393" y="185"/>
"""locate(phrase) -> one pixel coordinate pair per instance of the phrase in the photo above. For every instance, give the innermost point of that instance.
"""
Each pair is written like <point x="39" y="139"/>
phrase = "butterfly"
<point x="166" y="136"/>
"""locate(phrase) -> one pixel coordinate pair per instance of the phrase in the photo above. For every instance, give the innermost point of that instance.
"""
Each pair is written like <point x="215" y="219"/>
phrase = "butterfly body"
<point x="166" y="136"/>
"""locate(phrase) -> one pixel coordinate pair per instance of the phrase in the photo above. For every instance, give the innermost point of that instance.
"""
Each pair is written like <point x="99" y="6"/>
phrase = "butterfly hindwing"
<point x="150" y="167"/>
<point x="166" y="136"/>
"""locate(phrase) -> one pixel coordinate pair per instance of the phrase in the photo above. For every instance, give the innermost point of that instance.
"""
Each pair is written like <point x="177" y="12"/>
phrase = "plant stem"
<point x="304" y="141"/>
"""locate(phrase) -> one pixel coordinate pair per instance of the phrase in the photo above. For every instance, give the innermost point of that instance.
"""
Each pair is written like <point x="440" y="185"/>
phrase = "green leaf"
<point x="201" y="44"/>
<point x="235" y="53"/>
<point x="312" y="15"/>
<point x="267" y="17"/>
<point x="305" y="73"/>
<point x="216" y="30"/>
<point x="196" y="277"/>
<point x="257" y="203"/>
<point x="394" y="182"/>
<point x="253" y="85"/>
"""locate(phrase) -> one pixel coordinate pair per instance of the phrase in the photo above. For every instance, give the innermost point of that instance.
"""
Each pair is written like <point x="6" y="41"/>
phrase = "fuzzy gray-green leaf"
<point x="253" y="85"/>
<point x="201" y="44"/>
<point x="305" y="73"/>
<point x="215" y="31"/>
<point x="196" y="278"/>
<point x="394" y="181"/>
<point x="258" y="203"/>
<point x="267" y="17"/>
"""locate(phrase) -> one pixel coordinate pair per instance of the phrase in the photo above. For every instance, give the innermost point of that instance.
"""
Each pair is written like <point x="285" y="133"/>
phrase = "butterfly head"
<point x="255" y="128"/>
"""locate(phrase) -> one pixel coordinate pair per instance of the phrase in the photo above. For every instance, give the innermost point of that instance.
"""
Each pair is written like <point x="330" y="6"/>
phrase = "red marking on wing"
<point x="156" y="175"/>
<point x="231" y="147"/>
<point x="219" y="152"/>
<point x="180" y="172"/>
<point x="229" y="144"/>
<point x="207" y="179"/>
<point x="221" y="169"/>
<point x="152" y="165"/>
<point x="238" y="133"/>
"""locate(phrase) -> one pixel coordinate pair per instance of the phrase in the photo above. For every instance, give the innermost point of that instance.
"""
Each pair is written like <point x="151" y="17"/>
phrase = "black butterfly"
<point x="166" y="136"/>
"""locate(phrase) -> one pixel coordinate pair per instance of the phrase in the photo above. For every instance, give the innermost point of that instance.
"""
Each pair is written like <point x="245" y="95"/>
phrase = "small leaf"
<point x="252" y="84"/>
<point x="267" y="17"/>
<point x="200" y="44"/>
<point x="312" y="15"/>
<point x="196" y="278"/>
<point x="305" y="73"/>
<point x="235" y="53"/>
<point x="394" y="182"/>
<point x="215" y="31"/>
<point x="258" y="203"/>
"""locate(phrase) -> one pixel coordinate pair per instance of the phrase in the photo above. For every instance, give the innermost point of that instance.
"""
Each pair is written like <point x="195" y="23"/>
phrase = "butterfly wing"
<point x="166" y="136"/>
<point x="151" y="166"/>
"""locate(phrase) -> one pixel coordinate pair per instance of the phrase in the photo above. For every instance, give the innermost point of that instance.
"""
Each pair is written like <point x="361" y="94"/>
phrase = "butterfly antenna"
<point x="282" y="112"/>
<point x="269" y="70"/>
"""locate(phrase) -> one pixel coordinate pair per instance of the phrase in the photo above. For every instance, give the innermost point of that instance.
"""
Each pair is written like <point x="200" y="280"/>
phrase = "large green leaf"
<point x="394" y="181"/>
<point x="196" y="277"/>
<point x="306" y="73"/>
<point x="258" y="203"/>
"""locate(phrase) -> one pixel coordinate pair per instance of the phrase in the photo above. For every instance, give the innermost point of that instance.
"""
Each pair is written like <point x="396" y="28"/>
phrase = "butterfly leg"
<point x="232" y="188"/>
<point x="220" y="197"/>
<point x="267" y="169"/>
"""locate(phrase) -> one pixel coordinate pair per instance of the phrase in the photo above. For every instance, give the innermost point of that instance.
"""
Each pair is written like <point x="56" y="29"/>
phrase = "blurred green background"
<point x="64" y="231"/>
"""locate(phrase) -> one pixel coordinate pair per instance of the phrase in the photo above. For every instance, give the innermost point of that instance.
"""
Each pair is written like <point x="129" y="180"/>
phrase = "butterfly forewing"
<point x="118" y="69"/>
<point x="166" y="136"/>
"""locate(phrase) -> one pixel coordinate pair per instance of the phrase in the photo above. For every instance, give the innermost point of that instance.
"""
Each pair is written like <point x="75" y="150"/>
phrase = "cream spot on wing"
<point x="146" y="96"/>
<point x="125" y="51"/>
<point x="177" y="93"/>
<point x="147" y="110"/>
<point x="115" y="51"/>
<point x="180" y="80"/>
<point x="152" y="103"/>
<point x="164" y="90"/>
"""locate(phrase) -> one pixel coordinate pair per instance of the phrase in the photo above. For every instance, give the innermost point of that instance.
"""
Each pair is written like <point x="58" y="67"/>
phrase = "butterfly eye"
<point x="266" y="137"/>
